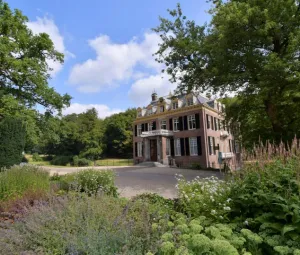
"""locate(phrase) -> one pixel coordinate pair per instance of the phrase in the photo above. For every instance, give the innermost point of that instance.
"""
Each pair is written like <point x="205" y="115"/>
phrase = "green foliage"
<point x="36" y="157"/>
<point x="12" y="137"/>
<point x="17" y="180"/>
<point x="81" y="161"/>
<point x="91" y="182"/>
<point x="61" y="160"/>
<point x="82" y="225"/>
<point x="250" y="48"/>
<point x="207" y="197"/>
<point x="25" y="71"/>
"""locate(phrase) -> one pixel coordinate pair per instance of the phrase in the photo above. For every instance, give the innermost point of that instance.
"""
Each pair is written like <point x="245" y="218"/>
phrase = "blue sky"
<point x="108" y="48"/>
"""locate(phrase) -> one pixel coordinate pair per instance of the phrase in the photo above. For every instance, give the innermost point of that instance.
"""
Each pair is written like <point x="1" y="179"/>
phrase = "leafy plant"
<point x="36" y="157"/>
<point x="61" y="160"/>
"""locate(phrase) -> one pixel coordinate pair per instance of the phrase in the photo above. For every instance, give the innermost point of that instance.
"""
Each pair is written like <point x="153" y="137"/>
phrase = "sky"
<point x="108" y="47"/>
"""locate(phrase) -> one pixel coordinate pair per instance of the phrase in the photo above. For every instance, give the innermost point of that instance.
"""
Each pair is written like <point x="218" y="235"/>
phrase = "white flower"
<point x="221" y="217"/>
<point x="228" y="200"/>
<point x="186" y="196"/>
<point x="227" y="208"/>
<point x="213" y="211"/>
<point x="246" y="222"/>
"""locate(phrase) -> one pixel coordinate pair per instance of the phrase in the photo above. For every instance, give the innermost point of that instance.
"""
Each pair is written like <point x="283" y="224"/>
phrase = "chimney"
<point x="154" y="97"/>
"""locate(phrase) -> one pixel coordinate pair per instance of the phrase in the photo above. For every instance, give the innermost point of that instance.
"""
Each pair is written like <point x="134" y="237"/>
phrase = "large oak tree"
<point x="250" y="48"/>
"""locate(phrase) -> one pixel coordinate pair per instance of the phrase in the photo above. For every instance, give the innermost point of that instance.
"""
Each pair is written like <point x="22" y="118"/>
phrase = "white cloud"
<point x="103" y="110"/>
<point x="141" y="90"/>
<point x="47" y="25"/>
<point x="114" y="63"/>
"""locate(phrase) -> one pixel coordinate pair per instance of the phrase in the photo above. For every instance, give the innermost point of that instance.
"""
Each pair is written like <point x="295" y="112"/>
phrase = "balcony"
<point x="224" y="134"/>
<point x="226" y="155"/>
<point x="160" y="132"/>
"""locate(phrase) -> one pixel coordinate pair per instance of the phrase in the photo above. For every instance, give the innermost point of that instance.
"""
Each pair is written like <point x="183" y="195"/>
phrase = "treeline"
<point x="84" y="135"/>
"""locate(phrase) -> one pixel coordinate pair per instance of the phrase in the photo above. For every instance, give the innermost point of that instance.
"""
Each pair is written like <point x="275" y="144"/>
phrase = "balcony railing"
<point x="162" y="132"/>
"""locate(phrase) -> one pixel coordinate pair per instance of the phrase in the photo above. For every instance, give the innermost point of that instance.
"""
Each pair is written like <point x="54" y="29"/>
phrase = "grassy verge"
<point x="114" y="162"/>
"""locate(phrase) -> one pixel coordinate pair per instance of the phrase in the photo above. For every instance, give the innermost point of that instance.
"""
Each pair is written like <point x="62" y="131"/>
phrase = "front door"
<point x="153" y="150"/>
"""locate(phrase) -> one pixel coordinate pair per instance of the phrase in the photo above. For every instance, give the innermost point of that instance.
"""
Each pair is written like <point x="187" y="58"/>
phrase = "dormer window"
<point x="150" y="111"/>
<point x="162" y="109"/>
<point x="190" y="101"/>
<point x="175" y="105"/>
<point x="139" y="113"/>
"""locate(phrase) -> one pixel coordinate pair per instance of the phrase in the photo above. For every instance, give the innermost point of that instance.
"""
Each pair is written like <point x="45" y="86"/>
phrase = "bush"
<point x="61" y="160"/>
<point x="81" y="161"/>
<point x="36" y="157"/>
<point x="12" y="137"/>
<point x="91" y="181"/>
<point x="82" y="225"/>
<point x="17" y="180"/>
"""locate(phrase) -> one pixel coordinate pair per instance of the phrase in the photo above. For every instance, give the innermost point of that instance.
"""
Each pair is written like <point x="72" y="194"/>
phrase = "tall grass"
<point x="17" y="180"/>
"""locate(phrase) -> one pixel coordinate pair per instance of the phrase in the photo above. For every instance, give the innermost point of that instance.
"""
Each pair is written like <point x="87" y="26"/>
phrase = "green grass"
<point x="114" y="162"/>
<point x="14" y="182"/>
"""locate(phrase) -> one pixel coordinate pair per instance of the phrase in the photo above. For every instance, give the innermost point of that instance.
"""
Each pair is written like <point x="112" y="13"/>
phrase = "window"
<point x="177" y="147"/>
<point x="150" y="111"/>
<point x="150" y="126"/>
<point x="193" y="146"/>
<point x="139" y="130"/>
<point x="216" y="124"/>
<point x="162" y="108"/>
<point x="190" y="101"/>
<point x="230" y="145"/>
<point x="168" y="147"/>
<point x="163" y="124"/>
<point x="139" y="113"/>
<point x="175" y="105"/>
<point x="208" y="121"/>
<point x="140" y="149"/>
<point x="191" y="122"/>
<point x="211" y="145"/>
<point x="212" y="123"/>
<point x="175" y="124"/>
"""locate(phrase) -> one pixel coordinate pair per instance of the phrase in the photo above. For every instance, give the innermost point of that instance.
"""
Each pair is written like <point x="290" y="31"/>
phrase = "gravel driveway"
<point x="136" y="180"/>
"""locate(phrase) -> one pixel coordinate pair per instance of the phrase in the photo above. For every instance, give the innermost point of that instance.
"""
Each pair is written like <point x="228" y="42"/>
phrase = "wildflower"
<point x="213" y="212"/>
<point x="246" y="222"/>
<point x="228" y="200"/>
<point x="227" y="208"/>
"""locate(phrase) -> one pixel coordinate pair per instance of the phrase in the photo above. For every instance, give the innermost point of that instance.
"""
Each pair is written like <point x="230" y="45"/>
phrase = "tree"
<point x="12" y="137"/>
<point x="250" y="48"/>
<point x="24" y="71"/>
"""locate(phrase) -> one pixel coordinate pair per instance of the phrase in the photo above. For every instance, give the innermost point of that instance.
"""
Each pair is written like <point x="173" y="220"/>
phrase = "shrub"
<point x="61" y="160"/>
<point x="12" y="137"/>
<point x="81" y="161"/>
<point x="17" y="180"/>
<point x="204" y="197"/>
<point x="91" y="181"/>
<point x="79" y="225"/>
<point x="36" y="157"/>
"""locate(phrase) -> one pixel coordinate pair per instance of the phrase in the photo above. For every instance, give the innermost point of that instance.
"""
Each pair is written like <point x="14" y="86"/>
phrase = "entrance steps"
<point x="151" y="164"/>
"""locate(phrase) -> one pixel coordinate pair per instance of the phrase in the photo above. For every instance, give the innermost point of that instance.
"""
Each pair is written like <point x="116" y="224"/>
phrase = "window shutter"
<point x="187" y="146"/>
<point x="143" y="127"/>
<point x="185" y="123"/>
<point x="135" y="130"/>
<point x="216" y="124"/>
<point x="197" y="119"/>
<point x="214" y="146"/>
<point x="154" y="125"/>
<point x="172" y="147"/>
<point x="199" y="145"/>
<point x="142" y="149"/>
<point x="207" y="121"/>
<point x="146" y="126"/>
<point x="136" y="150"/>
<point x="212" y="122"/>
<point x="180" y="123"/>
<point x="182" y="146"/>
<point x="171" y="124"/>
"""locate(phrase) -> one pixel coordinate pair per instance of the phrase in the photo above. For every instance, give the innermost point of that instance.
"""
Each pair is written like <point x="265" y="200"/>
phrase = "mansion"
<point x="184" y="130"/>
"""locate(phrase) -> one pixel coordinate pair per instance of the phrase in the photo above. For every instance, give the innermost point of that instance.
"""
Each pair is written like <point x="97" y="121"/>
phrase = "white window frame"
<point x="139" y="130"/>
<point x="163" y="123"/>
<point x="174" y="105"/>
<point x="168" y="147"/>
<point x="161" y="108"/>
<point x="177" y="147"/>
<point x="150" y="126"/>
<point x="190" y="101"/>
<point x="211" y="145"/>
<point x="191" y="120"/>
<point x="175" y="124"/>
<point x="140" y="149"/>
<point x="193" y="146"/>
